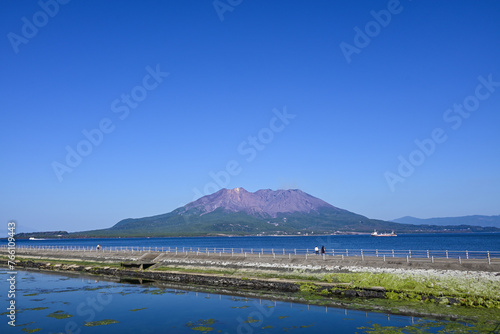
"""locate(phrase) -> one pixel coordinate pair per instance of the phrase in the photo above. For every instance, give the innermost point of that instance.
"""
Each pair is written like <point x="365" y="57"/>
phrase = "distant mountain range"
<point x="484" y="221"/>
<point x="264" y="212"/>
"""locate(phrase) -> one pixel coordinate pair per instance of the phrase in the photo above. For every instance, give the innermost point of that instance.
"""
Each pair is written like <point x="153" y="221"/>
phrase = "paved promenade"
<point x="275" y="262"/>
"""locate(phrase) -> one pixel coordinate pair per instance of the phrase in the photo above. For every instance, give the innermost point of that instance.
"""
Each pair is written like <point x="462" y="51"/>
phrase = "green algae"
<point x="423" y="326"/>
<point x="283" y="317"/>
<point x="59" y="315"/>
<point x="202" y="325"/>
<point x="203" y="329"/>
<point x="26" y="324"/>
<point x="250" y="320"/>
<point x="267" y="327"/>
<point x="156" y="291"/>
<point x="457" y="291"/>
<point x="35" y="309"/>
<point x="100" y="323"/>
<point x="138" y="309"/>
<point x="26" y="330"/>
<point x="242" y="307"/>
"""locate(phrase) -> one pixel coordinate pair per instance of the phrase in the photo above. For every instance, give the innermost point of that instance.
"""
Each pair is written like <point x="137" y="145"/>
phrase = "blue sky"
<point x="180" y="98"/>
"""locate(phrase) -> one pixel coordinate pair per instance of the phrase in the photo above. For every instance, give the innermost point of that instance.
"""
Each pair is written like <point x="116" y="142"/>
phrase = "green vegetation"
<point x="250" y="320"/>
<point x="26" y="330"/>
<point x="423" y="326"/>
<point x="138" y="309"/>
<point x="201" y="325"/>
<point x="100" y="323"/>
<point x="467" y="292"/>
<point x="59" y="315"/>
<point x="36" y="309"/>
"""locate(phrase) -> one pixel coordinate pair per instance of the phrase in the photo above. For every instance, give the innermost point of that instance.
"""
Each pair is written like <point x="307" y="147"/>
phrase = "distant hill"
<point x="484" y="221"/>
<point x="264" y="212"/>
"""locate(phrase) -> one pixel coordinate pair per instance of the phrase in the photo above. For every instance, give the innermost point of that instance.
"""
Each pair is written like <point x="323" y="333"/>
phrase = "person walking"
<point x="316" y="249"/>
<point x="323" y="250"/>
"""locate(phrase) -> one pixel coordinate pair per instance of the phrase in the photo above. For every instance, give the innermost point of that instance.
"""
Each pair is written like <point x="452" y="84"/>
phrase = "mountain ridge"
<point x="473" y="220"/>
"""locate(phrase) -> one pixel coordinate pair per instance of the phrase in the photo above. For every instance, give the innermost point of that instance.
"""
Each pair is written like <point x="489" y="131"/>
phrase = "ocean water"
<point x="55" y="303"/>
<point x="427" y="241"/>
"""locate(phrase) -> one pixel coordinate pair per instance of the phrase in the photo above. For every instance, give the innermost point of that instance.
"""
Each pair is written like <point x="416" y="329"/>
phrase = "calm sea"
<point x="50" y="303"/>
<point x="435" y="241"/>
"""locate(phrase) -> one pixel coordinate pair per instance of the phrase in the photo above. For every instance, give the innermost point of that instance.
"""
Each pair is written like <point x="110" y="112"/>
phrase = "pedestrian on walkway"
<point x="316" y="249"/>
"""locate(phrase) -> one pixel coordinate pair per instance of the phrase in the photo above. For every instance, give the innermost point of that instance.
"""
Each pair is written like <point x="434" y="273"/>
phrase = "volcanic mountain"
<point x="240" y="212"/>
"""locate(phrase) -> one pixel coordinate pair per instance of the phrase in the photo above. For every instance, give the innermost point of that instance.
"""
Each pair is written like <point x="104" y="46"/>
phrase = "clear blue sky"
<point x="315" y="95"/>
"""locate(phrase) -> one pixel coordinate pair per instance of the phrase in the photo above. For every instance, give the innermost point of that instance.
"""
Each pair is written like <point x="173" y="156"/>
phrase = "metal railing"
<point x="360" y="253"/>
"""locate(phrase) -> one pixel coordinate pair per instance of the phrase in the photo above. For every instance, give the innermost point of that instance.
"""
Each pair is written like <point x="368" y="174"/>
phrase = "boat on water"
<point x="376" y="234"/>
<point x="32" y="238"/>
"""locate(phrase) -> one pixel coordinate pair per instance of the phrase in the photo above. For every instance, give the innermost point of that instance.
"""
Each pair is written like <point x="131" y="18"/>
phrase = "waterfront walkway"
<point x="334" y="260"/>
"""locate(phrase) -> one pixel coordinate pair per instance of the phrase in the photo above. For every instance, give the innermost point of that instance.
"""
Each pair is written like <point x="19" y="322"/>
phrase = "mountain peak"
<point x="262" y="203"/>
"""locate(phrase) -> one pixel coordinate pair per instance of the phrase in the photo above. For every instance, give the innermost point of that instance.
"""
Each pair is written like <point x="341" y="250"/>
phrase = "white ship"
<point x="376" y="234"/>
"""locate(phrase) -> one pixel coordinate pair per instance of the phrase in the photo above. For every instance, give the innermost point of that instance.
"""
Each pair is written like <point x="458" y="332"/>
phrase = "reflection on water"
<point x="84" y="304"/>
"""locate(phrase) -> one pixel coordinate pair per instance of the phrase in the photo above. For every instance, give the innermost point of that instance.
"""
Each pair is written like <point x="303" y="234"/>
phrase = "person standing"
<point x="323" y="250"/>
<point x="316" y="249"/>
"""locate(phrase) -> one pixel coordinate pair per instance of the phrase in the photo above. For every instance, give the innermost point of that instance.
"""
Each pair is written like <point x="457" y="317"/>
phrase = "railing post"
<point x="409" y="251"/>
<point x="346" y="252"/>
<point x="446" y="253"/>
<point x="427" y="253"/>
<point x="489" y="259"/>
<point x="376" y="252"/>
<point x="467" y="254"/>
<point x="459" y="260"/>
<point x="362" y="257"/>
<point x="393" y="253"/>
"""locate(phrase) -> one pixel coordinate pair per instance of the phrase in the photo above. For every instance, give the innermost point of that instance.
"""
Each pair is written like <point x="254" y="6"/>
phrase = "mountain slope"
<point x="476" y="220"/>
